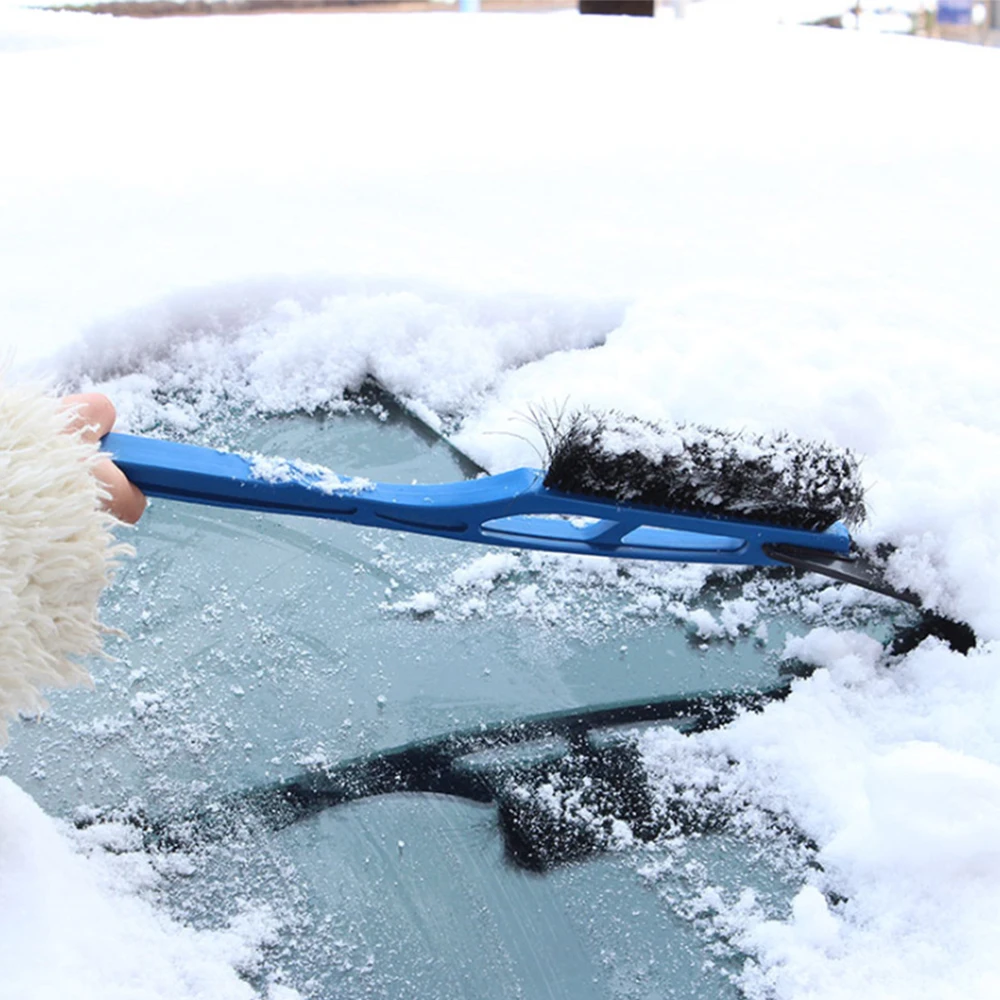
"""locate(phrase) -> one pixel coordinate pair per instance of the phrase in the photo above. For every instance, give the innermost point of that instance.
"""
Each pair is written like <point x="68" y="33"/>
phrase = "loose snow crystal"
<point x="282" y="470"/>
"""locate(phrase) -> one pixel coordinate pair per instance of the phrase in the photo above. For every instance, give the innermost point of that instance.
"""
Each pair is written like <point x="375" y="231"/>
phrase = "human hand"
<point x="94" y="416"/>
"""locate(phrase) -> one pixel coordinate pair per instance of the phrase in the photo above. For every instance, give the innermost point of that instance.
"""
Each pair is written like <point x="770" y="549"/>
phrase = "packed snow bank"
<point x="894" y="771"/>
<point x="780" y="229"/>
<point x="282" y="345"/>
<point x="74" y="924"/>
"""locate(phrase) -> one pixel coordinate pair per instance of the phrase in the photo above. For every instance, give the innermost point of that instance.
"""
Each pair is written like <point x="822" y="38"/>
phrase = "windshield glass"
<point x="441" y="841"/>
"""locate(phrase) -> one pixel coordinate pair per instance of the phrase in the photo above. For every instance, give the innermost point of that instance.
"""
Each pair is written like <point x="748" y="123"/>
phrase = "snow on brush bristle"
<point x="775" y="478"/>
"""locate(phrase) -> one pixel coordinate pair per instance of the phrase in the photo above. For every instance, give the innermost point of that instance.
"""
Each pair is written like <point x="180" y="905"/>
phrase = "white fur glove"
<point x="57" y="552"/>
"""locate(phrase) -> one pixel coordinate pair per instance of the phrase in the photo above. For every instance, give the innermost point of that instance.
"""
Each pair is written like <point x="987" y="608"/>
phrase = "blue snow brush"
<point x="616" y="487"/>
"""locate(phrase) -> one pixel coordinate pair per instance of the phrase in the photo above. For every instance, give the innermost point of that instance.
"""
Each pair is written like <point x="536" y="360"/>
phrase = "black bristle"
<point x="778" y="478"/>
<point x="958" y="635"/>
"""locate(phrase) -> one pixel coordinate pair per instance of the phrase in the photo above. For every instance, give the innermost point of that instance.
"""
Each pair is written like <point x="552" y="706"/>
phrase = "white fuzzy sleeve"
<point x="56" y="552"/>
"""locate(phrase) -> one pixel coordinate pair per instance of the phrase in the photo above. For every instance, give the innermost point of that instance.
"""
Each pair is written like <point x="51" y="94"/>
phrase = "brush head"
<point x="778" y="479"/>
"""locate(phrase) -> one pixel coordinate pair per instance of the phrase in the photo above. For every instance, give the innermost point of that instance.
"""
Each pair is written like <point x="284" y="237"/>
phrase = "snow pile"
<point x="79" y="926"/>
<point x="761" y="231"/>
<point x="284" y="345"/>
<point x="894" y="771"/>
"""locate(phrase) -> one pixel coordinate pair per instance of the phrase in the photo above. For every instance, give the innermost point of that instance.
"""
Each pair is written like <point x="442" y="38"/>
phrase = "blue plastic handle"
<point x="512" y="509"/>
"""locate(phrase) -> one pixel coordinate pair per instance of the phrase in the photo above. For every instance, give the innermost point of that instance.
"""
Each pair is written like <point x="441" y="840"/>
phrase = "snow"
<point x="747" y="226"/>
<point x="79" y="925"/>
<point x="896" y="775"/>
<point x="275" y="469"/>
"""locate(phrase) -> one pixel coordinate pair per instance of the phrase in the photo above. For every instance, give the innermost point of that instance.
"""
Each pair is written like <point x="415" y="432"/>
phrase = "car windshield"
<point x="339" y="729"/>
